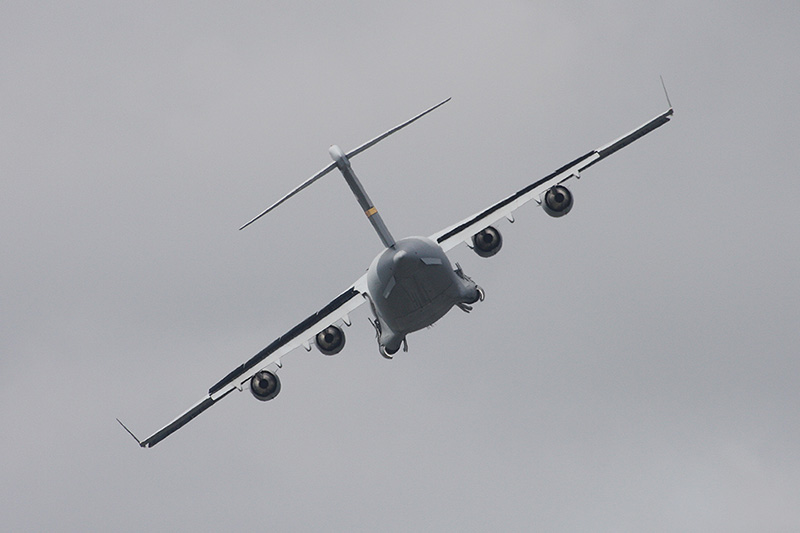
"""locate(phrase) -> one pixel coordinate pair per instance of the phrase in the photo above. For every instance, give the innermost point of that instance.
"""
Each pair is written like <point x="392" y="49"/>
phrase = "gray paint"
<point x="412" y="285"/>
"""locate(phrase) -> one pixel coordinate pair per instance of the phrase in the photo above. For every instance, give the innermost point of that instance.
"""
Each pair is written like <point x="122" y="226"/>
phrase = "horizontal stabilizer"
<point x="350" y="154"/>
<point x="294" y="191"/>
<point x="382" y="136"/>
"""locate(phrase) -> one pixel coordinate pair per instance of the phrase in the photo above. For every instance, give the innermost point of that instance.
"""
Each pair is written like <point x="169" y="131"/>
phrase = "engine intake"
<point x="265" y="385"/>
<point x="557" y="201"/>
<point x="330" y="340"/>
<point x="488" y="242"/>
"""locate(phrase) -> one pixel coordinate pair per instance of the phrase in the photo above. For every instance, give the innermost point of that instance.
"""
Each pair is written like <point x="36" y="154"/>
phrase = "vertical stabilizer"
<point x="342" y="161"/>
<point x="366" y="204"/>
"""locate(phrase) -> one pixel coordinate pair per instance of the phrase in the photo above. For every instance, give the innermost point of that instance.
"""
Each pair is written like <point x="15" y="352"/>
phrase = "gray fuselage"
<point x="412" y="285"/>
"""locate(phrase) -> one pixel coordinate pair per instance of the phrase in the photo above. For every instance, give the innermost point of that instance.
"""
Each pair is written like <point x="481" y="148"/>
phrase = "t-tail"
<point x="341" y="160"/>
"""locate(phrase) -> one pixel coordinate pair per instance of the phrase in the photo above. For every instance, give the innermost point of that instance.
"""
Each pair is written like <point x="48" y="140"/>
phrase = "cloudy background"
<point x="633" y="368"/>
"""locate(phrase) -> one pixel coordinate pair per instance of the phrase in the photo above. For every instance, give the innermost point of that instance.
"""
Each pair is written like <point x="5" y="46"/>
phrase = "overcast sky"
<point x="633" y="368"/>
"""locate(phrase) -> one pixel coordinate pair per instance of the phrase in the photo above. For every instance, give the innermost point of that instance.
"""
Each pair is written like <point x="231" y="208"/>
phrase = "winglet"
<point x="130" y="433"/>
<point x="665" y="91"/>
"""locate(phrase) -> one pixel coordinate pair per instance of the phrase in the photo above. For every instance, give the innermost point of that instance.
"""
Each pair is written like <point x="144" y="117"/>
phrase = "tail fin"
<point x="350" y="154"/>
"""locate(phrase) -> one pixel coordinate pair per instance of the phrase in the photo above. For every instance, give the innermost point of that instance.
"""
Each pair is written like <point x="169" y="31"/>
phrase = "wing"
<point x="450" y="237"/>
<point x="300" y="335"/>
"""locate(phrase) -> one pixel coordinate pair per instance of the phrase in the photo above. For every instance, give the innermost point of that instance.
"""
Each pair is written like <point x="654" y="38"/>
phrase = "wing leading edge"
<point x="463" y="231"/>
<point x="337" y="310"/>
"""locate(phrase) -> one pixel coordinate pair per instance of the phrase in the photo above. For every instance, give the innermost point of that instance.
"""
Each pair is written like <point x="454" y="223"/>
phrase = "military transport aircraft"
<point x="410" y="284"/>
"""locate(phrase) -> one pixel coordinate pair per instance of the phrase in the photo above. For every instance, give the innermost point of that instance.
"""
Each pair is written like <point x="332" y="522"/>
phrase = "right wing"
<point x="450" y="237"/>
<point x="270" y="357"/>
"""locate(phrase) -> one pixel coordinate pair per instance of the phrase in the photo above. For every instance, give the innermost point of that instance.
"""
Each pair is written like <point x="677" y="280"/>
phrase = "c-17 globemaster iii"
<point x="410" y="284"/>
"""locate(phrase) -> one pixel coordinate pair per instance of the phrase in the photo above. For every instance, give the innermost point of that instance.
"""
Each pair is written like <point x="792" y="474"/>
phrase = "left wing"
<point x="270" y="357"/>
<point x="450" y="237"/>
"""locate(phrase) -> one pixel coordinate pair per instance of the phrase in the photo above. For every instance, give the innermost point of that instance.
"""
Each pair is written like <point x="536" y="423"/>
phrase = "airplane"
<point x="410" y="284"/>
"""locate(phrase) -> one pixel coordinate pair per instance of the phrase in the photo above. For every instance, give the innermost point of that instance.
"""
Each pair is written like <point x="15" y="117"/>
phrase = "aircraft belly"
<point x="418" y="302"/>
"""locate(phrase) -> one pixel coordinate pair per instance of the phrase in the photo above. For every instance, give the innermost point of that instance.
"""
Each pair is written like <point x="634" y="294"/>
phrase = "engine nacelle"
<point x="330" y="340"/>
<point x="557" y="201"/>
<point x="265" y="385"/>
<point x="488" y="242"/>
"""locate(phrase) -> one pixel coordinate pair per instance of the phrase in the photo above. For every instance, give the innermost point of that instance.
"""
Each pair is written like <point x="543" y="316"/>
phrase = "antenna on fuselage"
<point x="341" y="160"/>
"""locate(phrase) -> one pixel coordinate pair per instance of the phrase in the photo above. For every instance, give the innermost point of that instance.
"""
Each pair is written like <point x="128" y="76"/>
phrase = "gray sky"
<point x="633" y="368"/>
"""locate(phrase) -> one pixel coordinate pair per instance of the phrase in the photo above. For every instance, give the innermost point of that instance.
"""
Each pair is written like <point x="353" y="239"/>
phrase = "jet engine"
<point x="488" y="242"/>
<point x="330" y="340"/>
<point x="557" y="201"/>
<point x="265" y="385"/>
